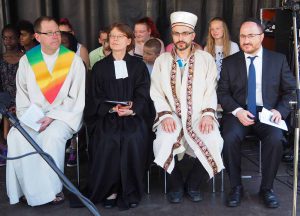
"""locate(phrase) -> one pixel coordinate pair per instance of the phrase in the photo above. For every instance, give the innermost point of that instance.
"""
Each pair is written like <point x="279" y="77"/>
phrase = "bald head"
<point x="256" y="21"/>
<point x="251" y="37"/>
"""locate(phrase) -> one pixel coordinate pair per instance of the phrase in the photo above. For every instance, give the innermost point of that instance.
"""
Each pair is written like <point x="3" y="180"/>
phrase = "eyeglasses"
<point x="249" y="36"/>
<point x="184" y="34"/>
<point x="117" y="36"/>
<point x="50" y="34"/>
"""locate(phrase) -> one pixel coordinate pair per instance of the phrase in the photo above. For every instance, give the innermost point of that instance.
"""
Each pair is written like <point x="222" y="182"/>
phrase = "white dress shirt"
<point x="258" y="75"/>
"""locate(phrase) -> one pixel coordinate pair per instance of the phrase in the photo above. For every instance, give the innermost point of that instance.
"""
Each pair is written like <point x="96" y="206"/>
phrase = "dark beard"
<point x="184" y="48"/>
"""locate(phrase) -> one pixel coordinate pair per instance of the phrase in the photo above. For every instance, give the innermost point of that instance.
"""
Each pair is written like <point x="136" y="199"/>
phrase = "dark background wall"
<point x="88" y="16"/>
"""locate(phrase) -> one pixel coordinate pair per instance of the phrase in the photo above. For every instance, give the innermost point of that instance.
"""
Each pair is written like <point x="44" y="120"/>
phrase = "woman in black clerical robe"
<point x="119" y="135"/>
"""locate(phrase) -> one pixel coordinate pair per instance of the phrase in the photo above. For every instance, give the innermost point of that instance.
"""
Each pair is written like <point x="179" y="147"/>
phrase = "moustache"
<point x="180" y="42"/>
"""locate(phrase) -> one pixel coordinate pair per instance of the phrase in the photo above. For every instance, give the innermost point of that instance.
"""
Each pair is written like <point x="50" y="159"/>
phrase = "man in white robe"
<point x="183" y="88"/>
<point x="31" y="177"/>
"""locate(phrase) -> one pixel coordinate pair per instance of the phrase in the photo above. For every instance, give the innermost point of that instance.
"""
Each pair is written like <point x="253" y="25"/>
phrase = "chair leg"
<point x="148" y="181"/>
<point x="165" y="182"/>
<point x="77" y="157"/>
<point x="86" y="139"/>
<point x="259" y="157"/>
<point x="222" y="180"/>
<point x="214" y="184"/>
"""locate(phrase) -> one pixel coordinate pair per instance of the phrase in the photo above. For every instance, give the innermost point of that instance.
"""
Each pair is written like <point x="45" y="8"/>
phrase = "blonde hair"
<point x="210" y="46"/>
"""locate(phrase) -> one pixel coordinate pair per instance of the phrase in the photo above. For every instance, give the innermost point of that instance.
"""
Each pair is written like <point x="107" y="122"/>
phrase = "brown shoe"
<point x="59" y="199"/>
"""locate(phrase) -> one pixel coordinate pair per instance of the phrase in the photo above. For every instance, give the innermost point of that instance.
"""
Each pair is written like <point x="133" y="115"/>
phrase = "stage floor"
<point x="156" y="202"/>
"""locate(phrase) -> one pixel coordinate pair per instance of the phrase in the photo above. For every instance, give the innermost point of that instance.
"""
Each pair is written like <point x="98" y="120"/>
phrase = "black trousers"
<point x="195" y="174"/>
<point x="234" y="132"/>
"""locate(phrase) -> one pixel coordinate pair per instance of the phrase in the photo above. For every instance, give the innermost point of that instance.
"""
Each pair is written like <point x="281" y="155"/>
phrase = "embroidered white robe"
<point x="31" y="176"/>
<point x="200" y="96"/>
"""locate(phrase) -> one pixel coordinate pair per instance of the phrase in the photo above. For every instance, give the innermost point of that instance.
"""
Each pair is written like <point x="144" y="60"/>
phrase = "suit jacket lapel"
<point x="242" y="70"/>
<point x="265" y="74"/>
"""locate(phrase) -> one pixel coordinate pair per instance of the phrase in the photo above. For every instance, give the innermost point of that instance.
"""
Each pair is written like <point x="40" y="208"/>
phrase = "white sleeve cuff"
<point x="234" y="112"/>
<point x="208" y="114"/>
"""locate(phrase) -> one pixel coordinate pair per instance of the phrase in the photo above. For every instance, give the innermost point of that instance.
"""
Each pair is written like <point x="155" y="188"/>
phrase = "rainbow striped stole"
<point x="50" y="84"/>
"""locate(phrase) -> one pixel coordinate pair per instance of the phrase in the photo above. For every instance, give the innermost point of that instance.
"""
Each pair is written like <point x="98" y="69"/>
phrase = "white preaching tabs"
<point x="265" y="117"/>
<point x="120" y="69"/>
<point x="32" y="115"/>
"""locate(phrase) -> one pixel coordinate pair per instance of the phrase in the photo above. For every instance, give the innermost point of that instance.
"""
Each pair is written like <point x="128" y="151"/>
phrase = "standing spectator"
<point x="99" y="53"/>
<point x="9" y="63"/>
<point x="144" y="29"/>
<point x="69" y="41"/>
<point x="219" y="44"/>
<point x="27" y="39"/>
<point x="102" y="37"/>
<point x="65" y="25"/>
<point x="151" y="51"/>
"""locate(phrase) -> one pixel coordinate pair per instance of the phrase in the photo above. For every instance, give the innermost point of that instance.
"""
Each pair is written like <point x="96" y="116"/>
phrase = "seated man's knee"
<point x="232" y="131"/>
<point x="58" y="130"/>
<point x="232" y="138"/>
<point x="275" y="140"/>
<point x="54" y="136"/>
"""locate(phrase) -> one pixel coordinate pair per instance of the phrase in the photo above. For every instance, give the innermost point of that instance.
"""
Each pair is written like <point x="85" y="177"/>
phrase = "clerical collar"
<point x="120" y="69"/>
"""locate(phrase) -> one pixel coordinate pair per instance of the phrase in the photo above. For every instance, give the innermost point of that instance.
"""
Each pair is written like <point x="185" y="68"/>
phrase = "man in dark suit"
<point x="251" y="79"/>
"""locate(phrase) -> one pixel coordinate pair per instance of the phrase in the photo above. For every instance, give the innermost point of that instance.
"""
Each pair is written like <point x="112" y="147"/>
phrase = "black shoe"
<point x="109" y="203"/>
<point x="269" y="198"/>
<point x="175" y="197"/>
<point x="193" y="194"/>
<point x="133" y="205"/>
<point x="234" y="198"/>
<point x="288" y="157"/>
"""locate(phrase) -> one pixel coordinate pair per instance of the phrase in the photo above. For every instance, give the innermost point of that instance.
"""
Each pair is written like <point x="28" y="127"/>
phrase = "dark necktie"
<point x="252" y="87"/>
